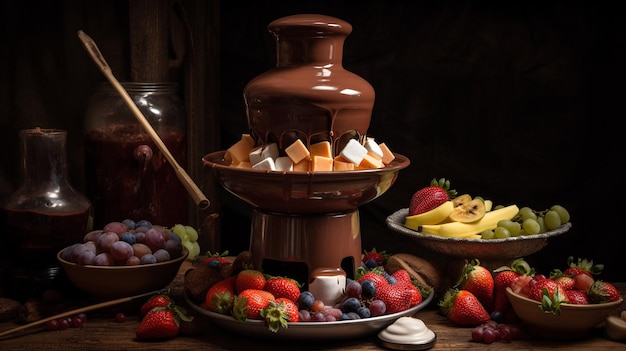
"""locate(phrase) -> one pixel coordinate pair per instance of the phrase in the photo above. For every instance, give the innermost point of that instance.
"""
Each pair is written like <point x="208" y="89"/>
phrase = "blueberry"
<point x="129" y="223"/>
<point x="368" y="289"/>
<point x="351" y="304"/>
<point x="371" y="263"/>
<point x="128" y="237"/>
<point x="143" y="223"/>
<point x="363" y="312"/>
<point x="215" y="264"/>
<point x="305" y="301"/>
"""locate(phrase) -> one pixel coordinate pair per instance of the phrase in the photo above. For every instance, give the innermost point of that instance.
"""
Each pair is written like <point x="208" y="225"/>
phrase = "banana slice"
<point x="462" y="199"/>
<point x="469" y="212"/>
<point x="434" y="216"/>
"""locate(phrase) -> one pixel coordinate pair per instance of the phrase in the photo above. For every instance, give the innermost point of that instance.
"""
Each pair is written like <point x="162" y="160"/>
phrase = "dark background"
<point x="518" y="102"/>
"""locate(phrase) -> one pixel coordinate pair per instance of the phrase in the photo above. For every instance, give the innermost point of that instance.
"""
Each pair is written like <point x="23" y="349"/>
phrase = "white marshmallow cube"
<point x="266" y="164"/>
<point x="354" y="152"/>
<point x="270" y="150"/>
<point x="374" y="148"/>
<point x="283" y="163"/>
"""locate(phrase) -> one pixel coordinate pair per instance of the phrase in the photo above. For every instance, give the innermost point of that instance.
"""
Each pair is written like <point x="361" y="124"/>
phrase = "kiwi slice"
<point x="470" y="211"/>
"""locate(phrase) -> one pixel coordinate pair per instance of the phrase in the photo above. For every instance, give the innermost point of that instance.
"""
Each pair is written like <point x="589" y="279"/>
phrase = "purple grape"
<point x="353" y="289"/>
<point x="116" y="227"/>
<point x="121" y="251"/>
<point x="143" y="223"/>
<point x="162" y="255"/>
<point x="129" y="223"/>
<point x="148" y="259"/>
<point x="85" y="257"/>
<point x="377" y="308"/>
<point x="103" y="259"/>
<point x="363" y="312"/>
<point x="106" y="240"/>
<point x="154" y="239"/>
<point x="351" y="304"/>
<point x="92" y="235"/>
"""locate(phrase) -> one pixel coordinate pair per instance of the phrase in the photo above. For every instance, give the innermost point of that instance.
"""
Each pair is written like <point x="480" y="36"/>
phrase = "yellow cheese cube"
<point x="302" y="166"/>
<point x="340" y="164"/>
<point x="239" y="152"/>
<point x="370" y="161"/>
<point x="388" y="156"/>
<point x="321" y="149"/>
<point x="297" y="152"/>
<point x="321" y="164"/>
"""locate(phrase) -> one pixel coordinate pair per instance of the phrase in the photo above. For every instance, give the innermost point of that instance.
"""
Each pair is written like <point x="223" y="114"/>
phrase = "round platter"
<point x="314" y="331"/>
<point x="493" y="249"/>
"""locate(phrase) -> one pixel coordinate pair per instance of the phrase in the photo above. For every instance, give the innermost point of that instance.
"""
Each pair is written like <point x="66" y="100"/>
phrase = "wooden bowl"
<point x="113" y="282"/>
<point x="573" y="322"/>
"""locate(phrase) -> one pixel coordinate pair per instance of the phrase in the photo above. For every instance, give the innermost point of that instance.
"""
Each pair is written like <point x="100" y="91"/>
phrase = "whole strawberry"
<point x="601" y="292"/>
<point x="536" y="291"/>
<point x="283" y="287"/>
<point x="431" y="196"/>
<point x="249" y="304"/>
<point x="397" y="297"/>
<point x="279" y="312"/>
<point x="379" y="257"/>
<point x="479" y="281"/>
<point x="160" y="300"/>
<point x="505" y="276"/>
<point x="221" y="296"/>
<point x="583" y="266"/>
<point x="161" y="323"/>
<point x="250" y="279"/>
<point x="577" y="297"/>
<point x="461" y="307"/>
<point x="215" y="260"/>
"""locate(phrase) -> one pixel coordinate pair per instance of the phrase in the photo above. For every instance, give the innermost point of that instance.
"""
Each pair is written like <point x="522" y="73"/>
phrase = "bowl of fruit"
<point x="466" y="226"/>
<point x="124" y="260"/>
<point x="556" y="317"/>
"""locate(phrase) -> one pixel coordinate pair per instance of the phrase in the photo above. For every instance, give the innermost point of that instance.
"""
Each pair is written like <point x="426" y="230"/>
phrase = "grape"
<point x="513" y="227"/>
<point x="563" y="213"/>
<point x="317" y="306"/>
<point x="351" y="304"/>
<point x="363" y="312"/>
<point x="371" y="263"/>
<point x="318" y="317"/>
<point x="477" y="333"/>
<point x="526" y="213"/>
<point x="69" y="254"/>
<point x="334" y="312"/>
<point x="192" y="234"/>
<point x="52" y="324"/>
<point x="305" y="300"/>
<point x="129" y="223"/>
<point x="85" y="257"/>
<point x="121" y="251"/>
<point x="377" y="308"/>
<point x="162" y="255"/>
<point x="128" y="237"/>
<point x="133" y="261"/>
<point x="501" y="233"/>
<point x="103" y="259"/>
<point x="179" y="230"/>
<point x="353" y="289"/>
<point x="141" y="249"/>
<point x="118" y="228"/>
<point x="368" y="289"/>
<point x="92" y="235"/>
<point x="147" y="259"/>
<point x="120" y="317"/>
<point x="552" y="220"/>
<point x="531" y="226"/>
<point x="489" y="335"/>
<point x="106" y="240"/>
<point x="175" y="237"/>
<point x="330" y="318"/>
<point x="175" y="248"/>
<point x="487" y="234"/>
<point x="63" y="324"/>
<point x="154" y="239"/>
<point x="542" y="225"/>
<point x="143" y="223"/>
<point x="305" y="315"/>
<point x="140" y="237"/>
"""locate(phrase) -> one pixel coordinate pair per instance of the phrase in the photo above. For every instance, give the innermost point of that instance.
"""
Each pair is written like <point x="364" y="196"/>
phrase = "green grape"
<point x="513" y="227"/>
<point x="562" y="213"/>
<point x="487" y="234"/>
<point x="501" y="233"/>
<point x="552" y="220"/>
<point x="527" y="212"/>
<point x="179" y="229"/>
<point x="192" y="234"/>
<point x="498" y="207"/>
<point x="531" y="226"/>
<point x="542" y="225"/>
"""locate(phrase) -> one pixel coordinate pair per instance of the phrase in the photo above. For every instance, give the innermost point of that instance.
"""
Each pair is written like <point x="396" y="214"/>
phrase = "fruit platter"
<point x="468" y="226"/>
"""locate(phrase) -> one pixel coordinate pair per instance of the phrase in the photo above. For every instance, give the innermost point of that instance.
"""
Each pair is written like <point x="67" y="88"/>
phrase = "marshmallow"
<point x="374" y="148"/>
<point x="354" y="152"/>
<point x="266" y="164"/>
<point x="283" y="163"/>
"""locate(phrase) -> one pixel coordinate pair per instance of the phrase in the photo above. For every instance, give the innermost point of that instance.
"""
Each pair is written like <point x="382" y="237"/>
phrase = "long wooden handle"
<point x="82" y="310"/>
<point x="199" y="199"/>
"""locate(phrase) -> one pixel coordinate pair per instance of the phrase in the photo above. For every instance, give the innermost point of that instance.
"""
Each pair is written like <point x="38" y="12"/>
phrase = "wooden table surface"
<point x="101" y="332"/>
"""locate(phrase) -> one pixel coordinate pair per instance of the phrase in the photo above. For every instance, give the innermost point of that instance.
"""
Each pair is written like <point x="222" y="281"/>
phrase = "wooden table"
<point x="102" y="333"/>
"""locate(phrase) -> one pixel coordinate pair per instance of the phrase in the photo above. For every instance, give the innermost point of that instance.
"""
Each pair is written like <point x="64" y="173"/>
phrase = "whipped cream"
<point x="407" y="330"/>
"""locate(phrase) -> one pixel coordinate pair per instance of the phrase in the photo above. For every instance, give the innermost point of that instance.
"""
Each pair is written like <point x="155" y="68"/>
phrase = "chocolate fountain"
<point x="307" y="223"/>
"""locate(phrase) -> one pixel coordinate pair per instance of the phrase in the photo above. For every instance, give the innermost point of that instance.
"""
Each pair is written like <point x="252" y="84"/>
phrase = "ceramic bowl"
<point x="573" y="322"/>
<point x="113" y="282"/>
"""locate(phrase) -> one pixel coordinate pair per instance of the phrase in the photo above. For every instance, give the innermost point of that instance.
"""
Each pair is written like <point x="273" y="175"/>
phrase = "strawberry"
<point x="160" y="300"/>
<point x="505" y="276"/>
<point x="161" y="322"/>
<point x="378" y="279"/>
<point x="479" y="281"/>
<point x="566" y="282"/>
<point x="380" y="257"/>
<point x="431" y="196"/>
<point x="397" y="297"/>
<point x="577" y="297"/>
<point x="250" y="279"/>
<point x="462" y="307"/>
<point x="584" y="266"/>
<point x="283" y="287"/>
<point x="402" y="276"/>
<point x="249" y="303"/>
<point x="583" y="281"/>
<point x="601" y="292"/>
<point x="279" y="312"/>
<point x="220" y="296"/>
<point x="536" y="291"/>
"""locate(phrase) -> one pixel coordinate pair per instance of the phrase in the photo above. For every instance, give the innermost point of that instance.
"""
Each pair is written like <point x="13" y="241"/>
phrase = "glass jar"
<point x="44" y="215"/>
<point x="127" y="176"/>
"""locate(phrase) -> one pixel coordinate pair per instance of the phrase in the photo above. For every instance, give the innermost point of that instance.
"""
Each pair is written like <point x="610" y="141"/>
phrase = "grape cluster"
<point x="75" y="321"/>
<point x="528" y="222"/>
<point x="357" y="303"/>
<point x="492" y="331"/>
<point x="189" y="237"/>
<point x="126" y="243"/>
